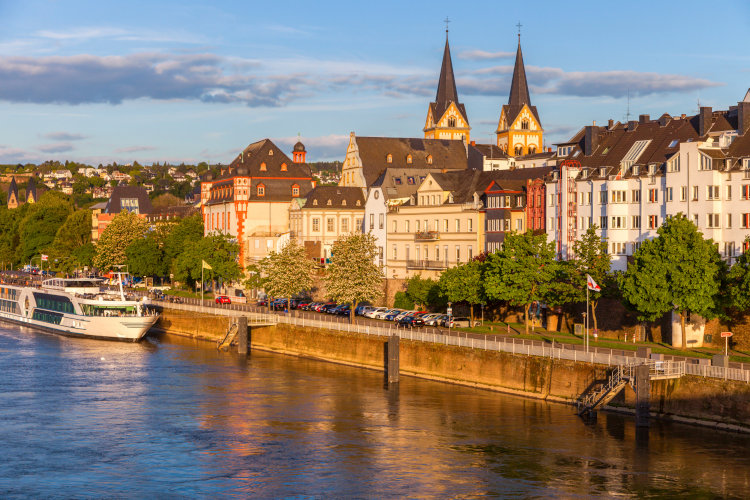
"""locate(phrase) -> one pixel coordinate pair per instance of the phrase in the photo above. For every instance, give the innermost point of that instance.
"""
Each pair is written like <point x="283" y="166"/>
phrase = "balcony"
<point x="426" y="264"/>
<point x="427" y="236"/>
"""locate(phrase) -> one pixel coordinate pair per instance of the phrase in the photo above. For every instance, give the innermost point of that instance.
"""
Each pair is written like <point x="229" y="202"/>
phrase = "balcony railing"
<point x="427" y="236"/>
<point x="426" y="264"/>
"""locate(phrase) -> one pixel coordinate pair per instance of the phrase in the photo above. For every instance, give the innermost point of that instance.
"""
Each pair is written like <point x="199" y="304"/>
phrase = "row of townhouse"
<point x="626" y="178"/>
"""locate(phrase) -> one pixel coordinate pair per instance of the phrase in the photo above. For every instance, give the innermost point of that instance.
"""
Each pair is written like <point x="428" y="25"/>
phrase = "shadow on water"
<point x="174" y="417"/>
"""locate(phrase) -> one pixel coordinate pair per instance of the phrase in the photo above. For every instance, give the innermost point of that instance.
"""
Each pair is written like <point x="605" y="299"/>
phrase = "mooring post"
<point x="243" y="335"/>
<point x="391" y="359"/>
<point x="642" y="395"/>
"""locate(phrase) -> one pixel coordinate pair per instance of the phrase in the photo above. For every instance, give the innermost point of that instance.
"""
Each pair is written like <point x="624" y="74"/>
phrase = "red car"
<point x="223" y="299"/>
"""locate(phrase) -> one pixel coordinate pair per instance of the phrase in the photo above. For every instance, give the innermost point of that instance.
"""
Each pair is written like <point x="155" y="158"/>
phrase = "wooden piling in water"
<point x="642" y="395"/>
<point x="391" y="359"/>
<point x="243" y="335"/>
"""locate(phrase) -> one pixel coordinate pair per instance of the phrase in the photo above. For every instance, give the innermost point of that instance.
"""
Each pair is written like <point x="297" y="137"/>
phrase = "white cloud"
<point x="483" y="55"/>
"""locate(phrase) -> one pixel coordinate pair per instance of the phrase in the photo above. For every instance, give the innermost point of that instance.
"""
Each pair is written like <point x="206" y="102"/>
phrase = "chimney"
<point x="743" y="117"/>
<point x="590" y="139"/>
<point x="473" y="143"/>
<point x="632" y="124"/>
<point x="643" y="118"/>
<point x="610" y="124"/>
<point x="704" y="120"/>
<point x="683" y="116"/>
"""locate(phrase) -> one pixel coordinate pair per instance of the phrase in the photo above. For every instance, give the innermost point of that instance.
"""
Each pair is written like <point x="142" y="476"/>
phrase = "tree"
<point x="125" y="228"/>
<point x="220" y="251"/>
<point x="40" y="223"/>
<point x="73" y="233"/>
<point x="287" y="273"/>
<point x="353" y="277"/>
<point x="678" y="270"/>
<point x="739" y="283"/>
<point x="464" y="284"/>
<point x="591" y="258"/>
<point x="522" y="272"/>
<point x="145" y="258"/>
<point x="166" y="200"/>
<point x="188" y="229"/>
<point x="420" y="290"/>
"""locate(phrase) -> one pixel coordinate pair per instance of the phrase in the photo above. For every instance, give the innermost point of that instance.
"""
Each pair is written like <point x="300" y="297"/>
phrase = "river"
<point x="171" y="417"/>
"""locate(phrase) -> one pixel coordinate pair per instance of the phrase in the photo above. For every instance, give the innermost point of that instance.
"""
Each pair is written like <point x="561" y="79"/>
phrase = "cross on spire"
<point x="446" y="24"/>
<point x="519" y="30"/>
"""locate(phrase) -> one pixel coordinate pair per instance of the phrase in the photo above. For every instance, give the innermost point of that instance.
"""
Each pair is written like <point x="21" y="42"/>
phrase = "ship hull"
<point x="129" y="329"/>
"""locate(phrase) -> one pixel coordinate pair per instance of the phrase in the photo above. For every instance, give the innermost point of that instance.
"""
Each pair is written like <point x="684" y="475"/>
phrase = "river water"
<point x="171" y="417"/>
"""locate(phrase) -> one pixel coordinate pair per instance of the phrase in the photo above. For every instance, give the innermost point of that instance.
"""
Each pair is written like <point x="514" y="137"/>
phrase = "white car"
<point x="374" y="312"/>
<point x="383" y="314"/>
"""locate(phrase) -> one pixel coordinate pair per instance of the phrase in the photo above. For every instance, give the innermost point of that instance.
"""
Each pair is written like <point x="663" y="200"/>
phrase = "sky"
<point x="187" y="81"/>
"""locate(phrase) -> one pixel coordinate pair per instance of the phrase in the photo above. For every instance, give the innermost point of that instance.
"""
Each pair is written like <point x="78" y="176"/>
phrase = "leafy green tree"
<point x="463" y="283"/>
<point x="739" y="283"/>
<point x="39" y="226"/>
<point x="9" y="237"/>
<point x="421" y="290"/>
<point x="591" y="258"/>
<point x="402" y="301"/>
<point x="678" y="270"/>
<point x="145" y="258"/>
<point x="353" y="277"/>
<point x="188" y="229"/>
<point x="73" y="233"/>
<point x="125" y="228"/>
<point x="166" y="200"/>
<point x="220" y="251"/>
<point x="522" y="272"/>
<point x="287" y="273"/>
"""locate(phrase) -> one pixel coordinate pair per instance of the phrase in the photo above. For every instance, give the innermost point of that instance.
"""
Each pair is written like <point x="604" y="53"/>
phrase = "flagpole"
<point x="587" y="316"/>
<point x="201" y="283"/>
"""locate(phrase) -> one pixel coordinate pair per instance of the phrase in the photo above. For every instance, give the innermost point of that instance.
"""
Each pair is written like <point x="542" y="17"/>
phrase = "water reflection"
<point x="172" y="417"/>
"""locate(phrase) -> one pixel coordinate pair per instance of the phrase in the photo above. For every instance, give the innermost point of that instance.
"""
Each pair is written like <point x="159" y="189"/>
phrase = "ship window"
<point x="47" y="317"/>
<point x="53" y="302"/>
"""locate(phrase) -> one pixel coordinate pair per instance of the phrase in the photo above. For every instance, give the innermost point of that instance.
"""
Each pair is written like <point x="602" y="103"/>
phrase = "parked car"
<point x="344" y="310"/>
<point x="412" y="321"/>
<point x="362" y="309"/>
<point x="458" y="322"/>
<point x="328" y="307"/>
<point x="386" y="312"/>
<point x="428" y="316"/>
<point x="261" y="302"/>
<point x="436" y="320"/>
<point x="223" y="299"/>
<point x="302" y="305"/>
<point x="403" y="314"/>
<point x="374" y="311"/>
<point x="391" y="316"/>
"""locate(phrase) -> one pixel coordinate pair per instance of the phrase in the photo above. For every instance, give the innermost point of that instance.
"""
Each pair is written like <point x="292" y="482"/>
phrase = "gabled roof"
<point x="519" y="91"/>
<point x="402" y="182"/>
<point x="13" y="187"/>
<point x="336" y="197"/>
<point x="463" y="185"/>
<point x="374" y="151"/>
<point x="265" y="154"/>
<point x="446" y="91"/>
<point x="31" y="190"/>
<point x="115" y="206"/>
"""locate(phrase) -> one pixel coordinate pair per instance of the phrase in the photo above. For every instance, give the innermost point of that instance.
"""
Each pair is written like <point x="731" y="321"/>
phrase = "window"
<point x="395" y="226"/>
<point x="331" y="224"/>
<point x="635" y="222"/>
<point x="451" y="121"/>
<point x="705" y="163"/>
<point x="619" y="248"/>
<point x="519" y="225"/>
<point x="261" y="190"/>
<point x="270" y="152"/>
<point x="397" y="181"/>
<point x="524" y="124"/>
<point x="683" y="193"/>
<point x="653" y="195"/>
<point x="618" y="196"/>
<point x="471" y="225"/>
<point x="552" y="200"/>
<point x="602" y="197"/>
<point x="407" y="252"/>
<point x="519" y="150"/>
<point x="673" y="165"/>
<point x="745" y="191"/>
<point x="668" y="194"/>
<point x="315" y="225"/>
<point x="389" y="158"/>
<point x="458" y="254"/>
<point x="674" y="143"/>
<point x="437" y="252"/>
<point x="263" y="167"/>
<point x="408" y="159"/>
<point x="445" y="225"/>
<point x="429" y="159"/>
<point x="712" y="192"/>
<point x="653" y="222"/>
<point x="603" y="222"/>
<point x="458" y="225"/>
<point x="283" y="167"/>
<point x="380" y="256"/>
<point x="712" y="221"/>
<point x="344" y="225"/>
<point x="417" y="225"/>
<point x="381" y="221"/>
<point x="695" y="193"/>
<point x="729" y="192"/>
<point x="358" y="224"/>
<point x="618" y="222"/>
<point x="470" y="251"/>
<point x="410" y="180"/>
<point x="695" y="219"/>
<point x="745" y="221"/>
<point x="729" y="221"/>
<point x="406" y="224"/>
<point x="295" y="190"/>
<point x="395" y="253"/>
<point x="372" y="221"/>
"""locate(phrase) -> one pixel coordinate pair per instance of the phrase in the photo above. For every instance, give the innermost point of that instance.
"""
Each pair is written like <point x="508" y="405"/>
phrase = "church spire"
<point x="446" y="91"/>
<point x="519" y="89"/>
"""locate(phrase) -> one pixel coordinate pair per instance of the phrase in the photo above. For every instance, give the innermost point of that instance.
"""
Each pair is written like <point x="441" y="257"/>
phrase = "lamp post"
<point x="482" y="304"/>
<point x="450" y="313"/>
<point x="586" y="326"/>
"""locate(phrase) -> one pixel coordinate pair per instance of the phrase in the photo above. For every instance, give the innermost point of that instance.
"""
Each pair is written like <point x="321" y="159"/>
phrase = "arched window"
<point x="263" y="167"/>
<point x="429" y="159"/>
<point x="283" y="167"/>
<point x="261" y="190"/>
<point x="519" y="150"/>
<point x="343" y="203"/>
<point x="408" y="159"/>
<point x="295" y="190"/>
<point x="270" y="152"/>
<point x="389" y="158"/>
<point x="525" y="124"/>
<point x="532" y="150"/>
<point x="451" y="122"/>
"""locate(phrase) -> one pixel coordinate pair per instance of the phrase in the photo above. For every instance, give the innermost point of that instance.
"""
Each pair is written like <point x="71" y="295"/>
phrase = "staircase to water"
<point x="228" y="338"/>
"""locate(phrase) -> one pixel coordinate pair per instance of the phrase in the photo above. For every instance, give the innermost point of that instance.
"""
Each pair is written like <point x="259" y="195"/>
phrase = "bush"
<point x="402" y="301"/>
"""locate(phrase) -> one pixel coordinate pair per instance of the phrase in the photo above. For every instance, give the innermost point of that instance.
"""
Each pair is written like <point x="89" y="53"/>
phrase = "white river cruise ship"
<point x="77" y="307"/>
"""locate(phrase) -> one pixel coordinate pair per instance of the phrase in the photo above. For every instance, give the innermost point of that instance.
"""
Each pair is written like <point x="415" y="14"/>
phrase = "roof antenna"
<point x="627" y="114"/>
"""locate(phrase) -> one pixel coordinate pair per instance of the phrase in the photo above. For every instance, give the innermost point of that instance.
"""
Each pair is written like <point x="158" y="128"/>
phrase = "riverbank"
<point x="691" y="399"/>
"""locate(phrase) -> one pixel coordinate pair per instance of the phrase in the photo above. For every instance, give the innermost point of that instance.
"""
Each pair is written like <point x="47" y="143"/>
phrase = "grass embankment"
<point x="518" y="330"/>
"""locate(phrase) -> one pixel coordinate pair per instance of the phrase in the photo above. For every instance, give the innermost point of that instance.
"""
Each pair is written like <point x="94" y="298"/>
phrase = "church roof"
<point x="425" y="153"/>
<point x="519" y="91"/>
<point x="31" y="190"/>
<point x="13" y="188"/>
<point x="446" y="91"/>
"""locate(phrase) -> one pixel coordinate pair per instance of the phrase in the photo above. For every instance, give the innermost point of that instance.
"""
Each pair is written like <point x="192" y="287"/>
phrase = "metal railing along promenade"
<point x="510" y="345"/>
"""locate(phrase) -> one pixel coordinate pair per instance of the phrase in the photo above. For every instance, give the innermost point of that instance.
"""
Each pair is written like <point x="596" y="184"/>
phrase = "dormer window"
<point x="295" y="190"/>
<point x="408" y="159"/>
<point x="261" y="190"/>
<point x="270" y="152"/>
<point x="329" y="203"/>
<point x="651" y="169"/>
<point x="429" y="159"/>
<point x="358" y="203"/>
<point x="674" y="143"/>
<point x="584" y="173"/>
<point x="343" y="203"/>
<point x="389" y="158"/>
<point x="602" y="172"/>
<point x="263" y="167"/>
<point x="283" y="167"/>
<point x="315" y="203"/>
<point x="636" y="170"/>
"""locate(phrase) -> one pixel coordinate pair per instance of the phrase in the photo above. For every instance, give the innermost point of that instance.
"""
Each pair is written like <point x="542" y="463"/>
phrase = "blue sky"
<point x="197" y="81"/>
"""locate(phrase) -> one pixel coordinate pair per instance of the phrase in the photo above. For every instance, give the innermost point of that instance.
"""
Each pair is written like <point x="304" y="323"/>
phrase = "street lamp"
<point x="450" y="313"/>
<point x="586" y="326"/>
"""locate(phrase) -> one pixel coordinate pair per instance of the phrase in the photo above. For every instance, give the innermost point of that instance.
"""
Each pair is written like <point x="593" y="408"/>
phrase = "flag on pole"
<point x="205" y="265"/>
<point x="44" y="257"/>
<point x="592" y="284"/>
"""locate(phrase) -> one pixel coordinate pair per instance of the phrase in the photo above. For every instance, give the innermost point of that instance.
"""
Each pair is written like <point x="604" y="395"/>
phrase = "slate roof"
<point x="401" y="182"/>
<point x="335" y="197"/>
<point x="446" y="91"/>
<point x="519" y="91"/>
<point x="374" y="151"/>
<point x="114" y="205"/>
<point x="31" y="190"/>
<point x="463" y="186"/>
<point x="13" y="188"/>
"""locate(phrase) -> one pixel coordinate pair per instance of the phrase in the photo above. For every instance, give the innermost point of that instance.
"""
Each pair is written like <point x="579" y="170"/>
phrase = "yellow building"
<point x="519" y="131"/>
<point x="446" y="117"/>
